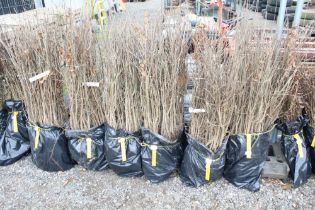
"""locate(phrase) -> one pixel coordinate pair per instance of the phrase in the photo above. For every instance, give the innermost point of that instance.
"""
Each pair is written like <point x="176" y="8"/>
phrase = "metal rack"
<point x="15" y="6"/>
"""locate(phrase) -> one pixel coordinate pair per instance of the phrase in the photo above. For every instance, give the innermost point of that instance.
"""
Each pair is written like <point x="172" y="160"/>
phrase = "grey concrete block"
<point x="276" y="166"/>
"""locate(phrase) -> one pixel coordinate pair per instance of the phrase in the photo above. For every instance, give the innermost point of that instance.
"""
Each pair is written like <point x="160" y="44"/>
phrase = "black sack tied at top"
<point x="123" y="152"/>
<point x="294" y="149"/>
<point x="49" y="147"/>
<point x="245" y="158"/>
<point x="160" y="157"/>
<point x="87" y="148"/>
<point x="14" y="142"/>
<point x="309" y="133"/>
<point x="200" y="165"/>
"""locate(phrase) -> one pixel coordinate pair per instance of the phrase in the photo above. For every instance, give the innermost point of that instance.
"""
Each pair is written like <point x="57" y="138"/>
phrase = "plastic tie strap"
<point x="122" y="142"/>
<point x="153" y="149"/>
<point x="248" y="146"/>
<point x="89" y="148"/>
<point x="14" y="122"/>
<point x="299" y="143"/>
<point x="208" y="169"/>
<point x="313" y="142"/>
<point x="36" y="141"/>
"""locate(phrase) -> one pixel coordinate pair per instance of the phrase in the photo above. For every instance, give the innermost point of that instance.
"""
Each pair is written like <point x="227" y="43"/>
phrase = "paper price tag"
<point x="39" y="76"/>
<point x="192" y="110"/>
<point x="91" y="84"/>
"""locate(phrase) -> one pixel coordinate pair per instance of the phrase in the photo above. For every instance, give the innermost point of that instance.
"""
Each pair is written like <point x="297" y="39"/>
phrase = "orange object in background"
<point x="122" y="5"/>
<point x="220" y="6"/>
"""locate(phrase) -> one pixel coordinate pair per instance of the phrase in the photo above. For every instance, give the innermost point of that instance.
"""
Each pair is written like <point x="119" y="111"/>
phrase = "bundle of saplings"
<point x="264" y="75"/>
<point x="14" y="142"/>
<point x="295" y="149"/>
<point x="309" y="133"/>
<point x="309" y="129"/>
<point x="49" y="147"/>
<point x="119" y="63"/>
<point x="212" y="97"/>
<point x="34" y="58"/>
<point x="301" y="99"/>
<point x="161" y="69"/>
<point x="84" y="83"/>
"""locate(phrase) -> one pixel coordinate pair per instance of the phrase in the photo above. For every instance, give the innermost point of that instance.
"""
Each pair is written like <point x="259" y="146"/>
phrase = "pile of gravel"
<point x="24" y="186"/>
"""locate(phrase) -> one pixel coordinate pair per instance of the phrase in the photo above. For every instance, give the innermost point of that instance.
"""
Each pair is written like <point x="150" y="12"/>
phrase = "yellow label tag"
<point x="87" y="11"/>
<point x="208" y="169"/>
<point x="153" y="149"/>
<point x="248" y="146"/>
<point x="89" y="148"/>
<point x="122" y="142"/>
<point x="36" y="141"/>
<point x="99" y="6"/>
<point x="299" y="143"/>
<point x="14" y="122"/>
<point x="313" y="142"/>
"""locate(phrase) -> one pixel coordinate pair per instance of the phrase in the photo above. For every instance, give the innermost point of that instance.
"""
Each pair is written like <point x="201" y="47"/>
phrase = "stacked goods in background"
<point x="11" y="7"/>
<point x="257" y="5"/>
<point x="308" y="17"/>
<point x="272" y="10"/>
<point x="239" y="89"/>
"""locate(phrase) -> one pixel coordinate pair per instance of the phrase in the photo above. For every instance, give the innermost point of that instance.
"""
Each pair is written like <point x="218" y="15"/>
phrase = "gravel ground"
<point x="23" y="186"/>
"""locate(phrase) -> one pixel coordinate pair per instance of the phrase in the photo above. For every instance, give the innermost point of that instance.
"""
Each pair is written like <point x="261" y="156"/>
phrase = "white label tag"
<point x="192" y="110"/>
<point x="91" y="84"/>
<point x="39" y="76"/>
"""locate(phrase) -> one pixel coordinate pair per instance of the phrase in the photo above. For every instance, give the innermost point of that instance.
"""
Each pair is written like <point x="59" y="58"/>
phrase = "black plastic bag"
<point x="245" y="158"/>
<point x="160" y="157"/>
<point x="200" y="165"/>
<point x="87" y="148"/>
<point x="123" y="152"/>
<point x="294" y="149"/>
<point x="49" y="147"/>
<point x="14" y="142"/>
<point x="309" y="133"/>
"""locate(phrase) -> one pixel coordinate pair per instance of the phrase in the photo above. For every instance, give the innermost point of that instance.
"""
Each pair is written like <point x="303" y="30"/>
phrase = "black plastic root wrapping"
<point x="200" y="165"/>
<point x="49" y="147"/>
<point x="160" y="157"/>
<point x="294" y="149"/>
<point x="245" y="171"/>
<point x="123" y="152"/>
<point x="87" y="148"/>
<point x="309" y="133"/>
<point x="14" y="142"/>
